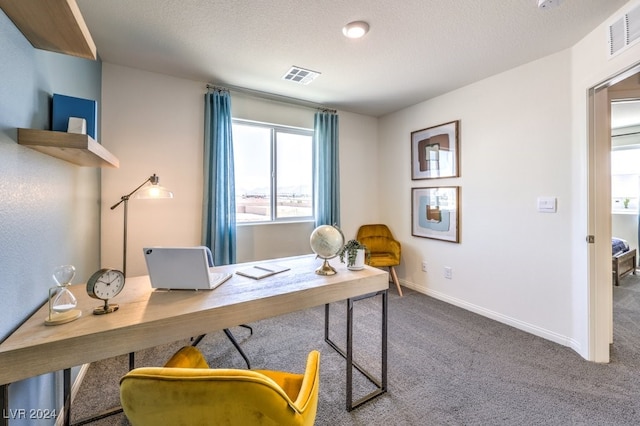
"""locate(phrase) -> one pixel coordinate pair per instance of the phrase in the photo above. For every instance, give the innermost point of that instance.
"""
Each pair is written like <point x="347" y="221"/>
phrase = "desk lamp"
<point x="152" y="190"/>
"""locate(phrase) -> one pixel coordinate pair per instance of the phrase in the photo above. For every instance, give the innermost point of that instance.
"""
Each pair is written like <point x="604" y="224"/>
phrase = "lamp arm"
<point x="153" y="179"/>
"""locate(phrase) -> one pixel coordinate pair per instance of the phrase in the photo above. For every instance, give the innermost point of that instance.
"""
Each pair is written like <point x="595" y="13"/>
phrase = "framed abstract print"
<point x="434" y="152"/>
<point x="435" y="213"/>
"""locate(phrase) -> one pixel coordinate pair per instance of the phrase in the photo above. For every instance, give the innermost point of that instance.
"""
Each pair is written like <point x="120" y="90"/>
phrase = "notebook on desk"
<point x="262" y="270"/>
<point x="181" y="268"/>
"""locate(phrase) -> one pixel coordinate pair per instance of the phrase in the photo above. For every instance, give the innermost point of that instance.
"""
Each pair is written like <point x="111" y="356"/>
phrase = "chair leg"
<point x="196" y="340"/>
<point x="248" y="327"/>
<point x="394" y="277"/>
<point x="237" y="345"/>
<point x="233" y="341"/>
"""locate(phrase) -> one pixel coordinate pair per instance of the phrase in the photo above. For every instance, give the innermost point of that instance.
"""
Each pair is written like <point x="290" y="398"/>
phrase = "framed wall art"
<point x="435" y="213"/>
<point x="434" y="152"/>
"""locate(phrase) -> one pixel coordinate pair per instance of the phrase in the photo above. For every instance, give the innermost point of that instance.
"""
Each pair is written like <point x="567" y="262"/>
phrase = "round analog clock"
<point x="104" y="285"/>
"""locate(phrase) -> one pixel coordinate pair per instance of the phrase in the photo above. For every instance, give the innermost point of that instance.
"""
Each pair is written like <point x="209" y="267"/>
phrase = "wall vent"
<point x="624" y="31"/>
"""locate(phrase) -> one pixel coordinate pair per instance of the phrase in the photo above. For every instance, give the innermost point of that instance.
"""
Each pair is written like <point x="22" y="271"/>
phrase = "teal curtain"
<point x="219" y="204"/>
<point x="326" y="168"/>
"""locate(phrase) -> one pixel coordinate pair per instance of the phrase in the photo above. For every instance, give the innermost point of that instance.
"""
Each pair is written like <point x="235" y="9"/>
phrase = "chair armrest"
<point x="395" y="248"/>
<point x="310" y="383"/>
<point x="301" y="389"/>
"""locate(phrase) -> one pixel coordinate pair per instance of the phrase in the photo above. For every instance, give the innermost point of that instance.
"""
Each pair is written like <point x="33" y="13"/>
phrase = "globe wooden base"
<point x="326" y="269"/>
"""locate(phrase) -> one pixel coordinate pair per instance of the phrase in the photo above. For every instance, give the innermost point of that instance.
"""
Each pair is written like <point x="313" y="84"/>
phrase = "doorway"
<point x="625" y="171"/>
<point x="625" y="85"/>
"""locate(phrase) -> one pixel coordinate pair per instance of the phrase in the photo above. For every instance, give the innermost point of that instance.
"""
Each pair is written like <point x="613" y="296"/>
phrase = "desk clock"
<point x="105" y="284"/>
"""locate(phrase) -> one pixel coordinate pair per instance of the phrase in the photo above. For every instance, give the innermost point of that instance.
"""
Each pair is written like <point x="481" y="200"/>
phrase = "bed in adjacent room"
<point x="624" y="259"/>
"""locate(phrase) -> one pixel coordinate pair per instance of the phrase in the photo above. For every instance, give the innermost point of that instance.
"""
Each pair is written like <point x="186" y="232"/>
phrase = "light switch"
<point x="547" y="204"/>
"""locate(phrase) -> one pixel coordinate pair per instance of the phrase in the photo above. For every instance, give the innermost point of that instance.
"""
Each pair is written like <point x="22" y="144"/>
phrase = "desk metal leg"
<point x="381" y="385"/>
<point x="66" y="395"/>
<point x="4" y="402"/>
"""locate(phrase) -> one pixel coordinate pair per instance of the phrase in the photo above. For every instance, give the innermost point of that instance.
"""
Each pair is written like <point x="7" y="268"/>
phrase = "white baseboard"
<point x="520" y="325"/>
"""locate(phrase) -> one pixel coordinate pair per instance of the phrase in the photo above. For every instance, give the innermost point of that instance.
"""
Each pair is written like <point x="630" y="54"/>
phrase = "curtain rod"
<point x="272" y="97"/>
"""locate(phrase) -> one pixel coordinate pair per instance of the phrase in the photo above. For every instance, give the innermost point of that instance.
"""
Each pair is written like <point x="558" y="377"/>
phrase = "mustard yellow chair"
<point x="187" y="392"/>
<point x="385" y="250"/>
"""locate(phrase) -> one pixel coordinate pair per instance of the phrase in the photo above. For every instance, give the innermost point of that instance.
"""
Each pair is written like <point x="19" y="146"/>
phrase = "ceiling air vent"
<point x="625" y="31"/>
<point x="300" y="75"/>
<point x="633" y="25"/>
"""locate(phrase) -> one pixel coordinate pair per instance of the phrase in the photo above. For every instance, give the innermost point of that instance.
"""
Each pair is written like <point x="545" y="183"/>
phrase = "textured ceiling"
<point x="415" y="49"/>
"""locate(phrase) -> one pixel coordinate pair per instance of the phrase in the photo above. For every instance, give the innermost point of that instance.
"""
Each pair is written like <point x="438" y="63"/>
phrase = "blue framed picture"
<point x="436" y="213"/>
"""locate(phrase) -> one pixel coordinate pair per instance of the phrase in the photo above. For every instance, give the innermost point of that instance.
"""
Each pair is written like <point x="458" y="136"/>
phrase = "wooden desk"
<point x="149" y="318"/>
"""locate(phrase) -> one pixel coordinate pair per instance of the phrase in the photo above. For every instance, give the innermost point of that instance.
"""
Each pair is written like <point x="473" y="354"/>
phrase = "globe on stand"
<point x="326" y="241"/>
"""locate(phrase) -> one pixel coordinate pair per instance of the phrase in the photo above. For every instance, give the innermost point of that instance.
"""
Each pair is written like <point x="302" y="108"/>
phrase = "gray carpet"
<point x="447" y="366"/>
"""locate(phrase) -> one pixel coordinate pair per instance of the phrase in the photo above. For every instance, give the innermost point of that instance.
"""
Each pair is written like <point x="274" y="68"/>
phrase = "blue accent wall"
<point x="49" y="208"/>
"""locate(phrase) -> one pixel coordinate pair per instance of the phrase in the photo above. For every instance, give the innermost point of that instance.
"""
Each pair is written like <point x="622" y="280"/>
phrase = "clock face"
<point x="105" y="284"/>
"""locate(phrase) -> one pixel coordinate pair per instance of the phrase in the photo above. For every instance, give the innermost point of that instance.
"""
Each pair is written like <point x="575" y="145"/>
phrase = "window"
<point x="273" y="172"/>
<point x="625" y="179"/>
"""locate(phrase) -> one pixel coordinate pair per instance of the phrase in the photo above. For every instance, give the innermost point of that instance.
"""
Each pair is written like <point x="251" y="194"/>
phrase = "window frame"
<point x="273" y="181"/>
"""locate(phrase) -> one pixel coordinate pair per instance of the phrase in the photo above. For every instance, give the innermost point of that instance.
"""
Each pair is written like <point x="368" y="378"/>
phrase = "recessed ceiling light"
<point x="300" y="75"/>
<point x="548" y="4"/>
<point x="355" y="29"/>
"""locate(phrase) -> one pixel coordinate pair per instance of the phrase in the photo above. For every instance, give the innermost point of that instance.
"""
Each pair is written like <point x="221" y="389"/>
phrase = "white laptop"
<point x="181" y="268"/>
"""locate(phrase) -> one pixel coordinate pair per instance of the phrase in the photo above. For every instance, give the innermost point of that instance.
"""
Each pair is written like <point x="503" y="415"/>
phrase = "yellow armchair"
<point x="187" y="392"/>
<point x="385" y="250"/>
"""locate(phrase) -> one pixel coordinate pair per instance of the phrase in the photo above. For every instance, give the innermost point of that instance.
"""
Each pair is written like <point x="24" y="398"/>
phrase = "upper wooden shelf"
<point x="75" y="148"/>
<point x="54" y="25"/>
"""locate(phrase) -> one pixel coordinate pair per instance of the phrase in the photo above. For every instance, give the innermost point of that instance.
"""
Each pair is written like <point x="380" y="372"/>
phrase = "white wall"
<point x="523" y="134"/>
<point x="511" y="263"/>
<point x="154" y="124"/>
<point x="625" y="226"/>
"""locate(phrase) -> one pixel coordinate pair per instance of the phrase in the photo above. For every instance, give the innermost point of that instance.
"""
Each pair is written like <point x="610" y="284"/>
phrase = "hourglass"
<point x="62" y="303"/>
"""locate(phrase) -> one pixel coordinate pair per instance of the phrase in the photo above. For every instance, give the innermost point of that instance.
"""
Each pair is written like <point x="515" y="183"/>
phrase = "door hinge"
<point x="591" y="239"/>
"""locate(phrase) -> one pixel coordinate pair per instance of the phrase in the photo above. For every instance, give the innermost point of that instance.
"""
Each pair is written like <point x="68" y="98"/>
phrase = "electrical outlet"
<point x="448" y="272"/>
<point x="424" y="266"/>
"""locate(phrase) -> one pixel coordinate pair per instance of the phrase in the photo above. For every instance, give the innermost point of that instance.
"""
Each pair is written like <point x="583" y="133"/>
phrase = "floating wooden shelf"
<point x="75" y="148"/>
<point x="54" y="25"/>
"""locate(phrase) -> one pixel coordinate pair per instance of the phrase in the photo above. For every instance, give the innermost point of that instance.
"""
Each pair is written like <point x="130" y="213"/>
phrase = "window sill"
<point x="282" y="222"/>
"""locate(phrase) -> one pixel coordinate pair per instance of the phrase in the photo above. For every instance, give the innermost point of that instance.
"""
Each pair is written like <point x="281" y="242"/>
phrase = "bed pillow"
<point x="619" y="246"/>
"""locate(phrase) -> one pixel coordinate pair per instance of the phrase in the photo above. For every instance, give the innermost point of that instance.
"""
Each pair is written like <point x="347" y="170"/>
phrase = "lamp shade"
<point x="154" y="190"/>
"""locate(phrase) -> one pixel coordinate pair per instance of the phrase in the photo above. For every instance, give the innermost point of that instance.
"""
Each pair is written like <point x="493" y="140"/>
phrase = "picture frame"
<point x="435" y="213"/>
<point x="434" y="152"/>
